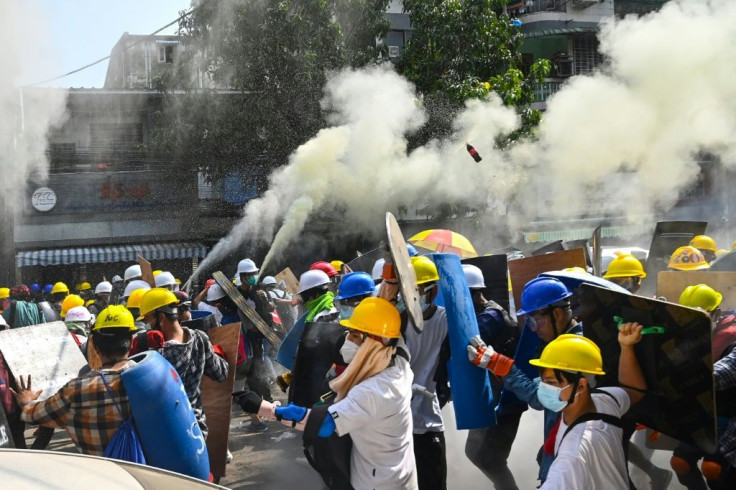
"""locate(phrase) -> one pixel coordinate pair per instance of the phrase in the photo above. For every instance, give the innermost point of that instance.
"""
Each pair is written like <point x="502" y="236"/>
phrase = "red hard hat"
<point x="325" y="267"/>
<point x="209" y="283"/>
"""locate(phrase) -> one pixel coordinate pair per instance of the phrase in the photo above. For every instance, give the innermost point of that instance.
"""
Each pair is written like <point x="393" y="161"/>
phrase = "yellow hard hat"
<point x="156" y="298"/>
<point x="134" y="300"/>
<point x="114" y="316"/>
<point x="425" y="269"/>
<point x="157" y="272"/>
<point x="625" y="265"/>
<point x="701" y="296"/>
<point x="375" y="316"/>
<point x="59" y="287"/>
<point x="4" y="293"/>
<point x="78" y="286"/>
<point x="85" y="286"/>
<point x="704" y="242"/>
<point x="70" y="302"/>
<point x="733" y="247"/>
<point x="177" y="281"/>
<point x="90" y="302"/>
<point x="688" y="259"/>
<point x="721" y="251"/>
<point x="570" y="352"/>
<point x="337" y="264"/>
<point x="576" y="270"/>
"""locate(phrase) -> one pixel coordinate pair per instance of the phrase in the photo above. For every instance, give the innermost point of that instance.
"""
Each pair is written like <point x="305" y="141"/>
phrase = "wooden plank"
<point x="217" y="398"/>
<point x="47" y="352"/>
<point x="671" y="284"/>
<point x="147" y="271"/>
<point x="404" y="271"/>
<point x="249" y="312"/>
<point x="290" y="280"/>
<point x="524" y="270"/>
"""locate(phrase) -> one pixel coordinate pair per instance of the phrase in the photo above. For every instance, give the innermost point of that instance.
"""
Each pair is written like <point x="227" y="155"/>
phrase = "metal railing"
<point x="533" y="6"/>
<point x="545" y="90"/>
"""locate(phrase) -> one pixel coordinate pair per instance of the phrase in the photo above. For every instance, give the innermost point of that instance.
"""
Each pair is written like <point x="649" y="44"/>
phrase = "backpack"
<point x="508" y="338"/>
<point x="329" y="456"/>
<point x="125" y="444"/>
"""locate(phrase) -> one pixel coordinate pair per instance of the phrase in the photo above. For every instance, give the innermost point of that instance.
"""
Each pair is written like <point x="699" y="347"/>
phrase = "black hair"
<point x="112" y="342"/>
<point x="314" y="292"/>
<point x="572" y="378"/>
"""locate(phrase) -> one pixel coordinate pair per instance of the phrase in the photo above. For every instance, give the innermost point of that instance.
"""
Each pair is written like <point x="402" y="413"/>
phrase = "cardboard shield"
<point x="147" y="271"/>
<point x="671" y="284"/>
<point x="668" y="236"/>
<point x="217" y="398"/>
<point x="318" y="350"/>
<point x="290" y="280"/>
<point x="495" y="277"/>
<point x="47" y="352"/>
<point x="677" y="364"/>
<point x="404" y="272"/>
<point x="287" y="351"/>
<point x="249" y="312"/>
<point x="365" y="262"/>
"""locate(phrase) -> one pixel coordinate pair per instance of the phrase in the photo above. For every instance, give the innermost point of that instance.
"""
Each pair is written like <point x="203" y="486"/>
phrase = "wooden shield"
<point x="217" y="398"/>
<point x="290" y="280"/>
<point x="677" y="364"/>
<point x="671" y="284"/>
<point x="147" y="271"/>
<point x="404" y="271"/>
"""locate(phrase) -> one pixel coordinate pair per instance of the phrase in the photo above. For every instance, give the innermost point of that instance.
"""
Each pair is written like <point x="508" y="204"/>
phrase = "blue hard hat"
<point x="47" y="288"/>
<point x="355" y="284"/>
<point x="35" y="288"/>
<point x="412" y="250"/>
<point x="542" y="292"/>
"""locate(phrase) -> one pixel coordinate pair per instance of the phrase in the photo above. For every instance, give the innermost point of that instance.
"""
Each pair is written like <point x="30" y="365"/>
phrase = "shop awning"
<point x="585" y="233"/>
<point x="101" y="255"/>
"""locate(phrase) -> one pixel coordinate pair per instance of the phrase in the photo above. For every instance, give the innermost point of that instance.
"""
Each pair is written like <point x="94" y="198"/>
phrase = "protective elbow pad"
<point x="680" y="466"/>
<point x="711" y="470"/>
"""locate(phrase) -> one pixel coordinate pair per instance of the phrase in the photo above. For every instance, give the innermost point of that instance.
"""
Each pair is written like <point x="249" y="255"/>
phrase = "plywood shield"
<point x="217" y="398"/>
<point x="671" y="284"/>
<point x="290" y="280"/>
<point x="147" y="271"/>
<point x="47" y="352"/>
<point x="404" y="272"/>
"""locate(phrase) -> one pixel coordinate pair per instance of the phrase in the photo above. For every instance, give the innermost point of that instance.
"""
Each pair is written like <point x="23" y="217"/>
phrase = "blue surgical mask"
<point x="346" y="311"/>
<point x="549" y="397"/>
<point x="423" y="303"/>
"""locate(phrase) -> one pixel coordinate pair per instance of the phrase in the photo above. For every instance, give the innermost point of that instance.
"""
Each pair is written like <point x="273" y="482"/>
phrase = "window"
<point x="116" y="136"/>
<point x="585" y="54"/>
<point x="166" y="54"/>
<point x="62" y="157"/>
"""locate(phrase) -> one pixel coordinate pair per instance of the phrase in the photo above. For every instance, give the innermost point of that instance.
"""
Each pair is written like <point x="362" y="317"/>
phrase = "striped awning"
<point x="101" y="255"/>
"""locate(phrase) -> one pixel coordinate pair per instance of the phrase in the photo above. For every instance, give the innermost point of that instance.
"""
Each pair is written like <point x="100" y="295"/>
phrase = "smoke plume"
<point x="621" y="142"/>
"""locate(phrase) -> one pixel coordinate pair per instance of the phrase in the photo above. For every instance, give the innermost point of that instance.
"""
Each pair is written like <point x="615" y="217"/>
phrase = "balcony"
<point x="533" y="6"/>
<point x="640" y="7"/>
<point x="545" y="90"/>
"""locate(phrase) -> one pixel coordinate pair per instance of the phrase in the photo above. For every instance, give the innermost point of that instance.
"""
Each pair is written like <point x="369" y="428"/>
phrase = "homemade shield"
<point x="318" y="350"/>
<point x="147" y="271"/>
<point x="290" y="280"/>
<point x="495" y="277"/>
<point x="404" y="271"/>
<point x="287" y="351"/>
<point x="677" y="364"/>
<point x="671" y="284"/>
<point x="365" y="262"/>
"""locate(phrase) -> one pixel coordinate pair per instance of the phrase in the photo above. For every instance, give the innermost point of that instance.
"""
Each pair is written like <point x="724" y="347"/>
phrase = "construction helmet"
<point x="71" y="301"/>
<point x="78" y="286"/>
<point x="572" y="353"/>
<point x="103" y="287"/>
<point x="268" y="280"/>
<point x="247" y="266"/>
<point x="115" y="316"/>
<point x="704" y="242"/>
<point x="116" y="278"/>
<point x="78" y="314"/>
<point x="215" y="292"/>
<point x="134" y="300"/>
<point x="542" y="292"/>
<point x="156" y="272"/>
<point x="721" y="251"/>
<point x="377" y="270"/>
<point x="59" y="287"/>
<point x="158" y="299"/>
<point x="312" y="279"/>
<point x="412" y="251"/>
<point x="473" y="276"/>
<point x="355" y="284"/>
<point x="165" y="279"/>
<point x="47" y="289"/>
<point x="425" y="269"/>
<point x="89" y="302"/>
<point x="625" y="265"/>
<point x="324" y="267"/>
<point x="375" y="316"/>
<point x="688" y="259"/>
<point x="85" y="286"/>
<point x="701" y="296"/>
<point x="337" y="265"/>
<point x="35" y="288"/>
<point x="133" y="285"/>
<point x="4" y="293"/>
<point x="133" y="272"/>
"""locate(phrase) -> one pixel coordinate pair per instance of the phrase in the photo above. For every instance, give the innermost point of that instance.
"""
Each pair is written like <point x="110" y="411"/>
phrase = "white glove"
<point x="479" y="353"/>
<point x="421" y="390"/>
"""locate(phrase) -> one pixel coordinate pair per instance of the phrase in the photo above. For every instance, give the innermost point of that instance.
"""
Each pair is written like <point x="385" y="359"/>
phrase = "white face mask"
<point x="348" y="351"/>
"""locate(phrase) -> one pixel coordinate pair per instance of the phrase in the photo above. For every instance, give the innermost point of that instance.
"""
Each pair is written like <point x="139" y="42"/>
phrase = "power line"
<point x="183" y="16"/>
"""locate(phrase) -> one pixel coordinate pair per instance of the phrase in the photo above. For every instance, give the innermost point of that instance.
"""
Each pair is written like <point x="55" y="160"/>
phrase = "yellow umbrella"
<point x="445" y="241"/>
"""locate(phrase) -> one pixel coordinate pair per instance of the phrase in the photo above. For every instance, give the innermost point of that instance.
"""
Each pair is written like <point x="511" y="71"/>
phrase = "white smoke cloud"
<point x="621" y="142"/>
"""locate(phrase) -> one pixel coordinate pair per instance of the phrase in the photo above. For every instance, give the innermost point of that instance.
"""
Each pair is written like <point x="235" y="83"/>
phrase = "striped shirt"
<point x="85" y="409"/>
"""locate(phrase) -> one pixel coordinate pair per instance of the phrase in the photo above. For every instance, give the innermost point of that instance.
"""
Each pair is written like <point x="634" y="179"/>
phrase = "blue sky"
<point x="78" y="32"/>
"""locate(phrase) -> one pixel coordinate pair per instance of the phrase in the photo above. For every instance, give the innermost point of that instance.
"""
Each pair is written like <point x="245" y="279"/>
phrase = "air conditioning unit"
<point x="393" y="51"/>
<point x="583" y="4"/>
<point x="562" y="65"/>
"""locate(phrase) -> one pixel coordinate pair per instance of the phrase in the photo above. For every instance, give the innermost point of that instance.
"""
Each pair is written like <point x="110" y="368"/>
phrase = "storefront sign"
<point x="43" y="199"/>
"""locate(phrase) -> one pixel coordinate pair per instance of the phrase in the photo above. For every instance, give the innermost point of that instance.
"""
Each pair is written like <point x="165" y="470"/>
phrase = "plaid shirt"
<point x="85" y="409"/>
<point x="192" y="359"/>
<point x="725" y="374"/>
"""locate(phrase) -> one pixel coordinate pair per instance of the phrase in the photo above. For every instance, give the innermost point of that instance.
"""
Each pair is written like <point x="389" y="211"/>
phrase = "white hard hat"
<point x="133" y="285"/>
<point x="247" y="266"/>
<point x="78" y="314"/>
<point x="165" y="278"/>
<point x="473" y="276"/>
<point x="312" y="279"/>
<point x="103" y="287"/>
<point x="132" y="272"/>
<point x="268" y="280"/>
<point x="378" y="269"/>
<point x="116" y="278"/>
<point x="215" y="292"/>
